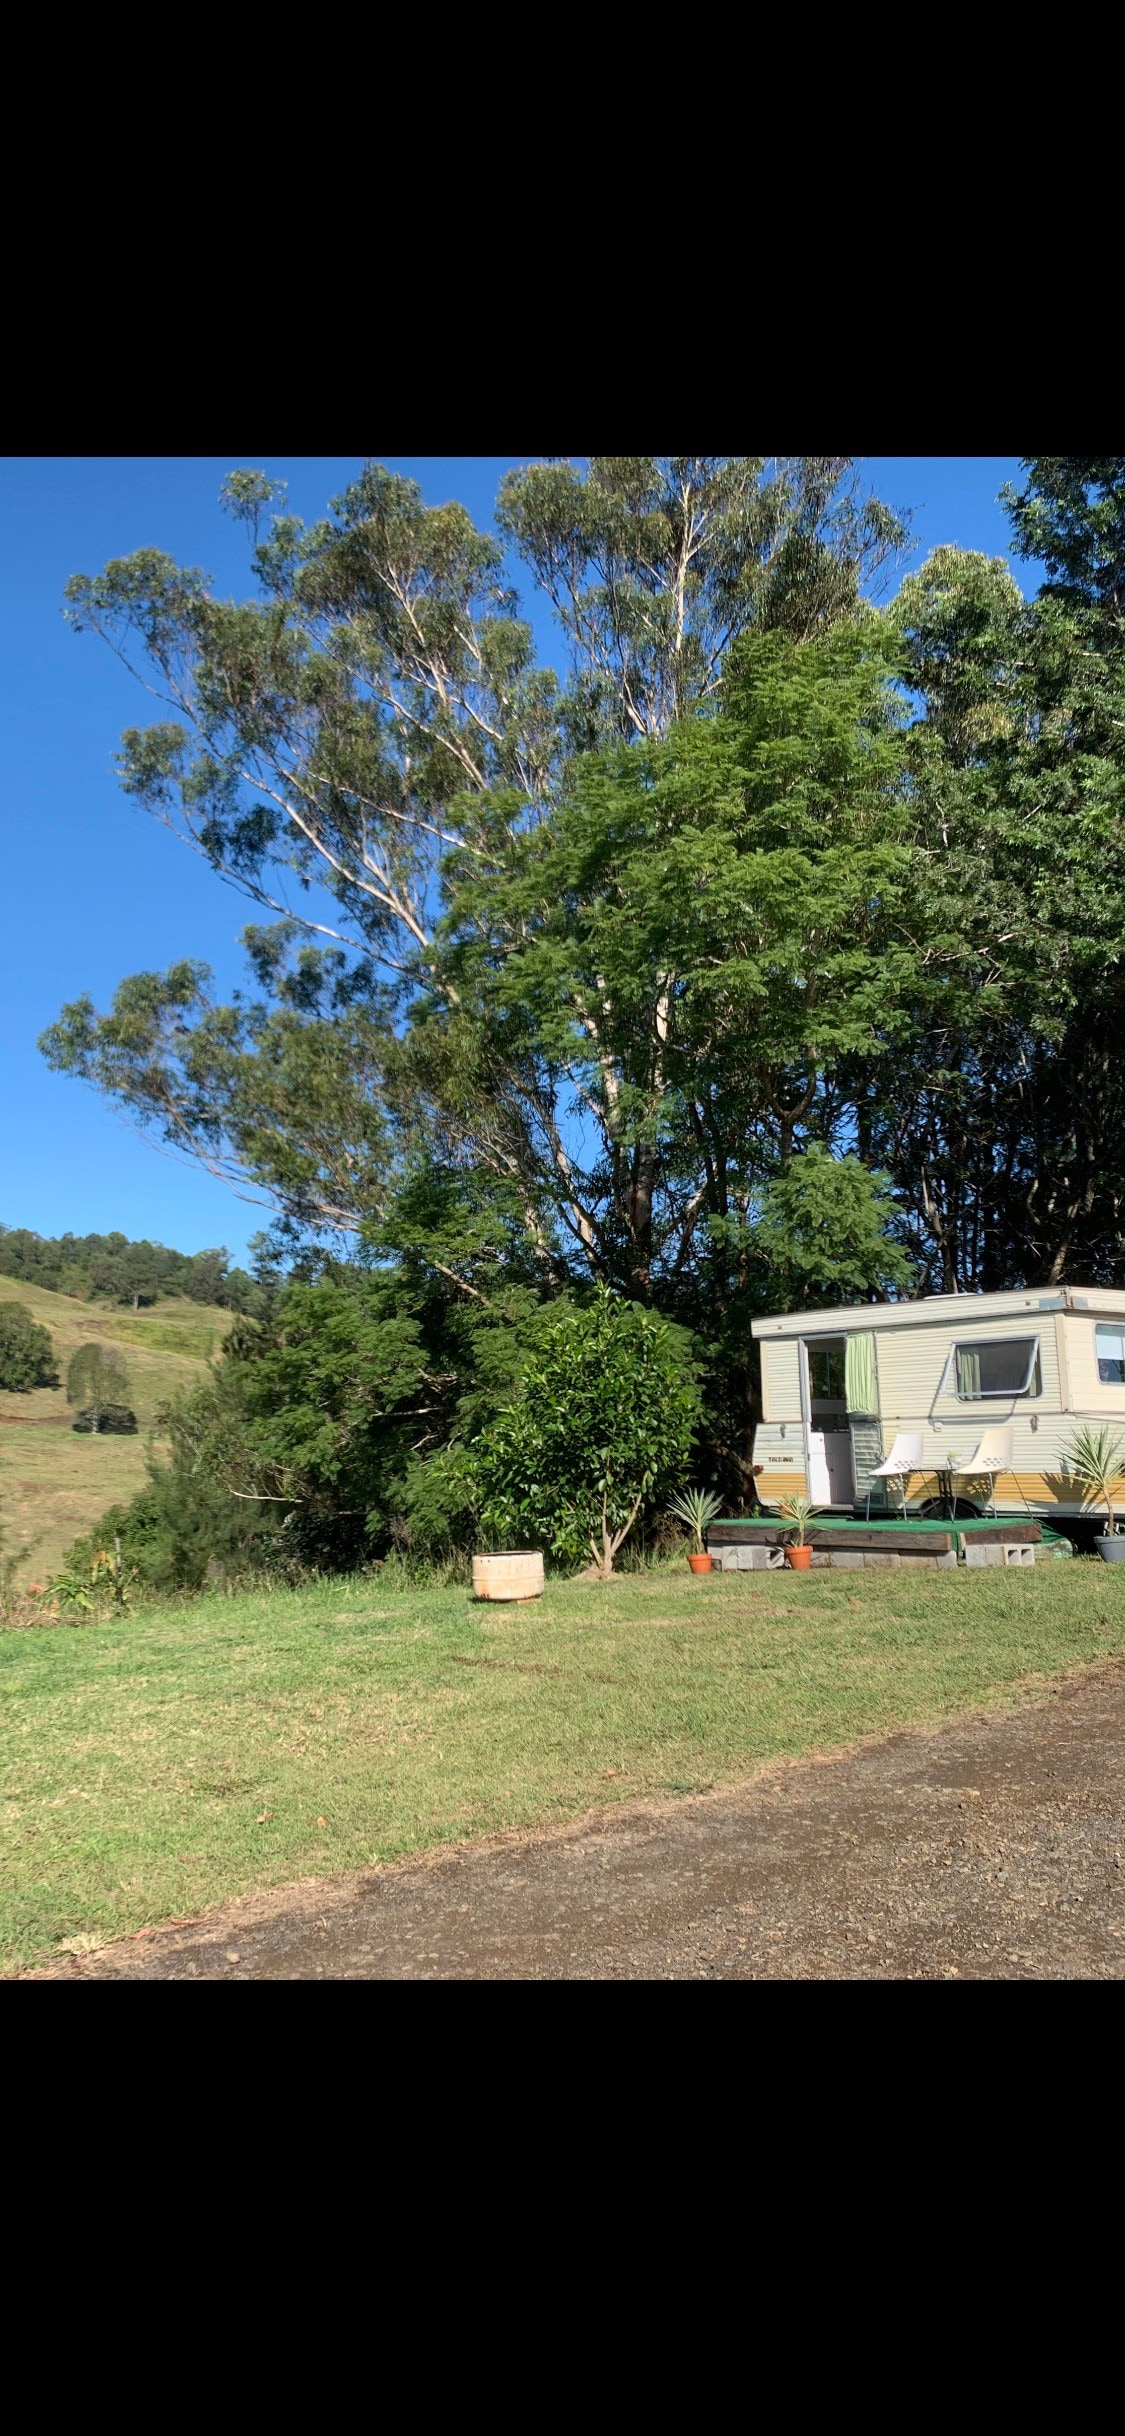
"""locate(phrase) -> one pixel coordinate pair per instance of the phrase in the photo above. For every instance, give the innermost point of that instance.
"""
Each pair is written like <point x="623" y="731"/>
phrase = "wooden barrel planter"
<point x="512" y="1574"/>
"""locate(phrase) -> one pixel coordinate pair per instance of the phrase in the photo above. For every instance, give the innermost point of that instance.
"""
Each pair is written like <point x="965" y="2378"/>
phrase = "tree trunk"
<point x="602" y="1568"/>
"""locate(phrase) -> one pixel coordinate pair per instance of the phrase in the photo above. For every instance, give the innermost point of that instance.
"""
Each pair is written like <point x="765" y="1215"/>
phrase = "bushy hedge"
<point x="27" y="1356"/>
<point x="604" y="1423"/>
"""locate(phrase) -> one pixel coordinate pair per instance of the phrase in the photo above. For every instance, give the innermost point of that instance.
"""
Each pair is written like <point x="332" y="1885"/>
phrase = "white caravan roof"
<point x="852" y="1317"/>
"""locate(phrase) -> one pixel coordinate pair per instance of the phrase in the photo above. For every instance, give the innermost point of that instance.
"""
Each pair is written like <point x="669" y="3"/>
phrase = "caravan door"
<point x="831" y="1479"/>
<point x="831" y="1473"/>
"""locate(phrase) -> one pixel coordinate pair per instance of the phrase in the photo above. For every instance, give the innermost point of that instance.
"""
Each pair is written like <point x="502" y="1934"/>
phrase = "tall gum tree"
<point x="368" y="751"/>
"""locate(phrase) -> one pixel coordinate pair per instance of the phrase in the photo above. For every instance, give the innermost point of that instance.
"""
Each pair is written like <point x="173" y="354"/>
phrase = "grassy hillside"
<point x="54" y="1484"/>
<point x="194" y="1751"/>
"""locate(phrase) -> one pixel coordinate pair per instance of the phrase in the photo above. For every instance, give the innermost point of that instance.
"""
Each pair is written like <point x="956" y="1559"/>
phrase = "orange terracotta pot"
<point x="799" y="1558"/>
<point x="700" y="1564"/>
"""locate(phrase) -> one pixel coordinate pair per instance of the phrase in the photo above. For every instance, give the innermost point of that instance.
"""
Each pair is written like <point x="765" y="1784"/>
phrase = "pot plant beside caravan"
<point x="697" y="1508"/>
<point x="1095" y="1458"/>
<point x="798" y="1512"/>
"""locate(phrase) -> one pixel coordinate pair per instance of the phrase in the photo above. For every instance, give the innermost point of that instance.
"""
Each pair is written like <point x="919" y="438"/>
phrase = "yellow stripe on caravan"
<point x="1012" y="1488"/>
<point x="1051" y="1488"/>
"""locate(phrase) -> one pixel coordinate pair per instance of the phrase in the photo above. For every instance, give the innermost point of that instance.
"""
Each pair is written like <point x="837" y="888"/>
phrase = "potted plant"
<point x="799" y="1512"/>
<point x="1095" y="1458"/>
<point x="696" y="1508"/>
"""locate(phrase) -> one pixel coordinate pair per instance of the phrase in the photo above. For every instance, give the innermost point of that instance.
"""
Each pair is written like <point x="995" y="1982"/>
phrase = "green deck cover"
<point x="959" y="1531"/>
<point x="878" y="1522"/>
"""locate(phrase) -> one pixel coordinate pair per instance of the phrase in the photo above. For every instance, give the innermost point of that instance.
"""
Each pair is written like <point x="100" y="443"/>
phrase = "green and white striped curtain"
<point x="859" y="1375"/>
<point x="968" y="1370"/>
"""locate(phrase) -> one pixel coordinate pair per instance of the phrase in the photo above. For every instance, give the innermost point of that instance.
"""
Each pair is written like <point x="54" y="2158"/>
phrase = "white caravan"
<point x="970" y="1396"/>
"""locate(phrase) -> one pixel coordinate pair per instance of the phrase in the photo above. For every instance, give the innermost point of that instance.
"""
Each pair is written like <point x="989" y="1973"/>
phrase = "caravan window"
<point x="996" y="1366"/>
<point x="826" y="1369"/>
<point x="1111" y="1356"/>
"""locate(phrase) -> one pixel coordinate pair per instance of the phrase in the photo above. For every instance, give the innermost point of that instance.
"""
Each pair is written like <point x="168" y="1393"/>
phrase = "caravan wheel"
<point x="936" y="1509"/>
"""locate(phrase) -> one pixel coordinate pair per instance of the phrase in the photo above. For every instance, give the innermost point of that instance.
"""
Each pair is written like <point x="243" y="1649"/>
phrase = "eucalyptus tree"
<point x="369" y="751"/>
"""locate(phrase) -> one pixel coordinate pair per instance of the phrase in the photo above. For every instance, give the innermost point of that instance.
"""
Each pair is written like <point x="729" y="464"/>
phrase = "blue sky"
<point x="93" y="889"/>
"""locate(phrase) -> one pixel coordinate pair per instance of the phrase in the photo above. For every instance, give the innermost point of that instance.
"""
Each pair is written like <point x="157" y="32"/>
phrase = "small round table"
<point x="945" y="1507"/>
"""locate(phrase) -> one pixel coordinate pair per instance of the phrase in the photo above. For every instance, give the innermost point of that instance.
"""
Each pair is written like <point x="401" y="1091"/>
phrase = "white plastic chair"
<point x="905" y="1457"/>
<point x="993" y="1456"/>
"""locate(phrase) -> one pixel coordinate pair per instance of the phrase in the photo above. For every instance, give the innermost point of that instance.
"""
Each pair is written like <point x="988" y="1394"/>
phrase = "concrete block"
<point x="748" y="1559"/>
<point x="846" y="1560"/>
<point x="1014" y="1555"/>
<point x="978" y="1557"/>
<point x="882" y="1564"/>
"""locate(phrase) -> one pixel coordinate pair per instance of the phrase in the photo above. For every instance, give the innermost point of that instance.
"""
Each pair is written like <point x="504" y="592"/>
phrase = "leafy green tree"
<point x="703" y="928"/>
<point x="96" y="1379"/>
<point x="635" y="1007"/>
<point x="376" y="712"/>
<point x="358" y="717"/>
<point x="826" y="1227"/>
<point x="27" y="1357"/>
<point x="657" y="566"/>
<point x="602" y="991"/>
<point x="334" y="1408"/>
<point x="671" y="960"/>
<point x="1002" y="1113"/>
<point x="324" y="1431"/>
<point x="605" y="1420"/>
<point x="1071" y="516"/>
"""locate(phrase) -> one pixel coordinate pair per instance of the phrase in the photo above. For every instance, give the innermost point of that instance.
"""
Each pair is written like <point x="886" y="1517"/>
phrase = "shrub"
<point x="27" y="1356"/>
<point x="172" y="1530"/>
<point x="604" y="1423"/>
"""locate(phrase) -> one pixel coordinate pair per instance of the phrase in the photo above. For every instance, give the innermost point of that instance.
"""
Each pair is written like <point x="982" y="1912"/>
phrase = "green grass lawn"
<point x="160" y="1763"/>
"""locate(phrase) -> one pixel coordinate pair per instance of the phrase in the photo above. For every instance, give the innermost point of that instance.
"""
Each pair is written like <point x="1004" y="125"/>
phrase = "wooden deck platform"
<point x="837" y="1535"/>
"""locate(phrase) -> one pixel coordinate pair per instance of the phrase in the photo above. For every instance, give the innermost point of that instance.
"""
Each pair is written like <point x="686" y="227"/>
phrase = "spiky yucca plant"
<point x="696" y="1508"/>
<point x="799" y="1512"/>
<point x="1095" y="1458"/>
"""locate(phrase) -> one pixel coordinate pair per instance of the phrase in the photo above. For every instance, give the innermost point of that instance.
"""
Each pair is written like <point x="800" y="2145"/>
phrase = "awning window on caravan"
<point x="1111" y="1356"/>
<point x="995" y="1366"/>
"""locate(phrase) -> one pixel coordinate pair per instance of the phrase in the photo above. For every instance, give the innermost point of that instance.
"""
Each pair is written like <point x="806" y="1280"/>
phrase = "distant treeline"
<point x="108" y="1268"/>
